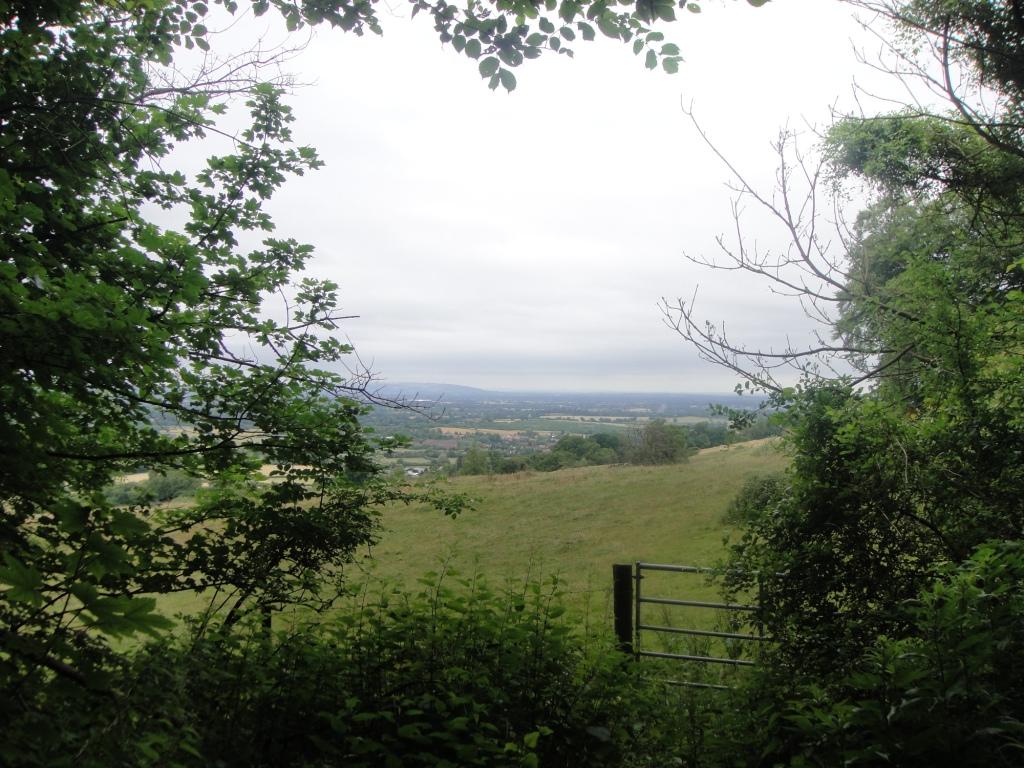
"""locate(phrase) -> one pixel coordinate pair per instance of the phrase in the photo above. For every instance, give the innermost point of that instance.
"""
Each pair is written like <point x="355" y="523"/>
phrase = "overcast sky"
<point x="523" y="241"/>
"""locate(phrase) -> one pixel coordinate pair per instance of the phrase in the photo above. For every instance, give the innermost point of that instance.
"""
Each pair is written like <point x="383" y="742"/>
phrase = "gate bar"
<point x="691" y="684"/>
<point x="707" y="659"/>
<point x="698" y="604"/>
<point x="701" y="632"/>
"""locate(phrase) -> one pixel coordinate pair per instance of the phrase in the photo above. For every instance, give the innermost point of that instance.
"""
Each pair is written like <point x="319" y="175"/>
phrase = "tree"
<point x="658" y="442"/>
<point x="476" y="461"/>
<point x="905" y="425"/>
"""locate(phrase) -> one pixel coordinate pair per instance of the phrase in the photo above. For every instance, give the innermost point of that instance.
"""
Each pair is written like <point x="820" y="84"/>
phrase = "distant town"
<point x="443" y="422"/>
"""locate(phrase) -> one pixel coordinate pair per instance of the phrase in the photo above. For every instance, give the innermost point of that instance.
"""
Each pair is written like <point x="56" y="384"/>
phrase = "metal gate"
<point x="632" y="625"/>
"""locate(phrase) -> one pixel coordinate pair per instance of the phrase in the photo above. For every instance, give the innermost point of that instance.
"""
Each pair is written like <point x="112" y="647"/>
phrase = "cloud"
<point x="523" y="241"/>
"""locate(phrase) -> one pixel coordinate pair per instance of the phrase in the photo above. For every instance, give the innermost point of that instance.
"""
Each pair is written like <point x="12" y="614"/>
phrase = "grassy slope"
<point x="574" y="523"/>
<point x="578" y="522"/>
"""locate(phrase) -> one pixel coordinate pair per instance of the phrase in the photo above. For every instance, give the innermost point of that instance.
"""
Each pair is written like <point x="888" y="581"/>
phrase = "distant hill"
<point x="435" y="392"/>
<point x="653" y="401"/>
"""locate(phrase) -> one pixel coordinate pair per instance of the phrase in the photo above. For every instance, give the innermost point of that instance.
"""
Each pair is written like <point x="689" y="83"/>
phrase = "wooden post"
<point x="622" y="599"/>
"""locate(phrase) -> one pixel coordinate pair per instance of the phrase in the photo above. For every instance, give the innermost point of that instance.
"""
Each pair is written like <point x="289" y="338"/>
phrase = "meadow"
<point x="576" y="523"/>
<point x="573" y="525"/>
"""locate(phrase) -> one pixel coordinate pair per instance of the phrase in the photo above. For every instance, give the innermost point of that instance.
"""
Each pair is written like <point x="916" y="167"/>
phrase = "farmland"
<point x="444" y="422"/>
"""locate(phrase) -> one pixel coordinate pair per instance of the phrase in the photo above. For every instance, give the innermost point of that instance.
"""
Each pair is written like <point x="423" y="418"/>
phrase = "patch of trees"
<point x="657" y="442"/>
<point x="157" y="488"/>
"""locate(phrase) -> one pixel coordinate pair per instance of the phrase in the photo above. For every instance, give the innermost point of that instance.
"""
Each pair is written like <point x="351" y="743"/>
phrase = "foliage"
<point x="160" y="488"/>
<point x="110" y="320"/>
<point x="913" y="464"/>
<point x="888" y="484"/>
<point x="948" y="693"/>
<point x="474" y="462"/>
<point x="758" y="494"/>
<point x="448" y="676"/>
<point x="890" y="605"/>
<point x="658" y="443"/>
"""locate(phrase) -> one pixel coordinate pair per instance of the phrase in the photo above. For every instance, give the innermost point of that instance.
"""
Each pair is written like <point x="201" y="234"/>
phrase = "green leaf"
<point x="670" y="49"/>
<point x="511" y="57"/>
<point x="608" y="28"/>
<point x="23" y="580"/>
<point x="508" y="80"/>
<point x="568" y="10"/>
<point x="665" y="12"/>
<point x="119" y="616"/>
<point x="489" y="66"/>
<point x="409" y="731"/>
<point x="546" y="26"/>
<point x="652" y="60"/>
<point x="586" y="30"/>
<point x="670" y="64"/>
<point x="473" y="48"/>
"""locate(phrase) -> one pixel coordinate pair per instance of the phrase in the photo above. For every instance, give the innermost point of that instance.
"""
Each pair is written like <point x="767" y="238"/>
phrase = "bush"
<point x="158" y="488"/>
<point x="658" y="443"/>
<point x="951" y="692"/>
<point x="446" y="677"/>
<point x="755" y="498"/>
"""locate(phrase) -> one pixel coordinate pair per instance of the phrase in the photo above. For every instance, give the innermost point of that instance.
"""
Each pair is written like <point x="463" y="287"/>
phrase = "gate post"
<point x="622" y="601"/>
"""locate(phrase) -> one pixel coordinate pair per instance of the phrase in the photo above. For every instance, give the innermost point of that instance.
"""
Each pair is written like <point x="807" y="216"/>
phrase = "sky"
<point x="523" y="241"/>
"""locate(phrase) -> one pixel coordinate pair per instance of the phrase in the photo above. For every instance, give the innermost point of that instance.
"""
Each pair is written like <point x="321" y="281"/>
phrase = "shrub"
<point x="445" y="677"/>
<point x="951" y="692"/>
<point x="756" y="497"/>
<point x="658" y="443"/>
<point x="159" y="488"/>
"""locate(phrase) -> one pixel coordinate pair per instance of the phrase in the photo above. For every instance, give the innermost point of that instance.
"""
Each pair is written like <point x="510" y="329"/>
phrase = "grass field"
<point x="576" y="523"/>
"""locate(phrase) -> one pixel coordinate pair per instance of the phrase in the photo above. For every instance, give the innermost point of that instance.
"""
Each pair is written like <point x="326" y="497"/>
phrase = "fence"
<point x="629" y="599"/>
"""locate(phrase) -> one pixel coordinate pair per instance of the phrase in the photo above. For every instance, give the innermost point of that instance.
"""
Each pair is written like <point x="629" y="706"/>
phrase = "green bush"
<point x="949" y="693"/>
<point x="658" y="442"/>
<point x="755" y="498"/>
<point x="446" y="677"/>
<point x="166" y="486"/>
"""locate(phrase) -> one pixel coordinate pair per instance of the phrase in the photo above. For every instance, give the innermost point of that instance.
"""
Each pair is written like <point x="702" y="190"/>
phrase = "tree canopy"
<point x="901" y="510"/>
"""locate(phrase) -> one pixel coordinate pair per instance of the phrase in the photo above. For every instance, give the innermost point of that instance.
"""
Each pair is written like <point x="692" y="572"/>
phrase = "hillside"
<point x="577" y="522"/>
